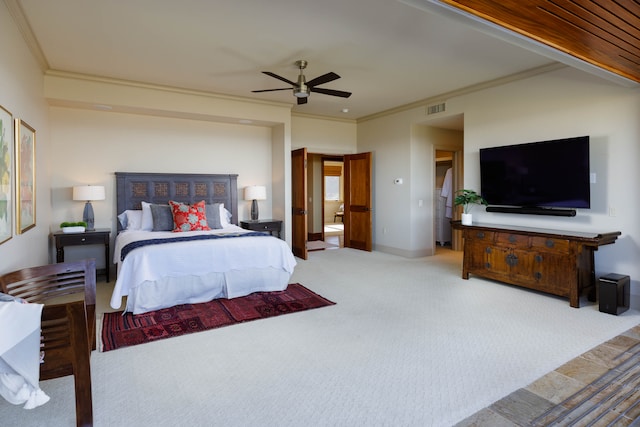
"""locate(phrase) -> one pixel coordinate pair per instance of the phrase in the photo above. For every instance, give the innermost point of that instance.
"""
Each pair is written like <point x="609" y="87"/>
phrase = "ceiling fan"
<point x="303" y="88"/>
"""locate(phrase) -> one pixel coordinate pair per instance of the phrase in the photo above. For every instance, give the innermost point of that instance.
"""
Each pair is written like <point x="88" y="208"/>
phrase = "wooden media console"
<point x="554" y="261"/>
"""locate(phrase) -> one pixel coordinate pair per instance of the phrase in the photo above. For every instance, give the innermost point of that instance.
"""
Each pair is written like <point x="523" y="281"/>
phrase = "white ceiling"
<point x="387" y="53"/>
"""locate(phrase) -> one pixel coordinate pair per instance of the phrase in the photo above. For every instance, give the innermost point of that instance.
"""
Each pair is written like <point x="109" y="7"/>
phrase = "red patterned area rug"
<point x="120" y="330"/>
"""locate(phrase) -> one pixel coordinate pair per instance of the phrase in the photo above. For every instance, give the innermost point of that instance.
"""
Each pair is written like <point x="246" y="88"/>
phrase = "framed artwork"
<point x="25" y="137"/>
<point x="6" y="175"/>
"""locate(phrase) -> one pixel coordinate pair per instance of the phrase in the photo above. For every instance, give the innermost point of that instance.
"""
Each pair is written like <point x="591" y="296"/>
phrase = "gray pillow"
<point x="162" y="218"/>
<point x="213" y="216"/>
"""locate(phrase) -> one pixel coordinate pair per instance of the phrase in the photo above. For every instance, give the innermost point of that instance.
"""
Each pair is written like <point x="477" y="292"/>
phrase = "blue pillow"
<point x="162" y="217"/>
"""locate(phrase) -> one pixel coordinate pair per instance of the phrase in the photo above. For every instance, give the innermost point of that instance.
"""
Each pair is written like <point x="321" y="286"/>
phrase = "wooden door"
<point x="299" y="202"/>
<point x="358" y="201"/>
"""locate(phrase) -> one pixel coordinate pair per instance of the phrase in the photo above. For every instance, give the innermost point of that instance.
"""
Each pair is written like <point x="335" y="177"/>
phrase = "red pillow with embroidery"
<point x="189" y="217"/>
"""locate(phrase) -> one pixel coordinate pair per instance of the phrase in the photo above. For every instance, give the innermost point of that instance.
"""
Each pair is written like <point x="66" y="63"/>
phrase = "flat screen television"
<point x="537" y="176"/>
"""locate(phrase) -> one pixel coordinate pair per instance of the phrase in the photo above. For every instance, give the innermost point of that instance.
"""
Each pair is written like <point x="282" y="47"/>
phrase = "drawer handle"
<point x="83" y="239"/>
<point x="488" y="250"/>
<point x="537" y="275"/>
<point x="512" y="238"/>
<point x="487" y="265"/>
<point x="511" y="260"/>
<point x="480" y="235"/>
<point x="538" y="258"/>
<point x="550" y="243"/>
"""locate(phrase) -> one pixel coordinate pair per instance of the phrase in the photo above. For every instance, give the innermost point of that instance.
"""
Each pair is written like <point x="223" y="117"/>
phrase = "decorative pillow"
<point x="189" y="217"/>
<point x="147" y="219"/>
<point x="162" y="217"/>
<point x="213" y="216"/>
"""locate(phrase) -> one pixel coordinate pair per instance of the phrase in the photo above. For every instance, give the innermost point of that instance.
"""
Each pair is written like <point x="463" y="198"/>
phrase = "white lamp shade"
<point x="88" y="192"/>
<point x="255" y="192"/>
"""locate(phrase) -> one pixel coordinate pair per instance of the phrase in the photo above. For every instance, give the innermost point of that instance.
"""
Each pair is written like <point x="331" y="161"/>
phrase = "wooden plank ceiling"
<point x="605" y="33"/>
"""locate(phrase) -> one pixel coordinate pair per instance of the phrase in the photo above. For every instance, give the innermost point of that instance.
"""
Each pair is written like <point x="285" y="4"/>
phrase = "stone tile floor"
<point x="599" y="388"/>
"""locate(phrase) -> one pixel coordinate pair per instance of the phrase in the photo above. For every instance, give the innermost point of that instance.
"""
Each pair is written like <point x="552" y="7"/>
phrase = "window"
<point x="332" y="188"/>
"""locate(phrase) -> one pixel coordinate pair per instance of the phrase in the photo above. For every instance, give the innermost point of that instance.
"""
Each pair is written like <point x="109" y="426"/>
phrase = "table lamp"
<point x="255" y="193"/>
<point x="88" y="193"/>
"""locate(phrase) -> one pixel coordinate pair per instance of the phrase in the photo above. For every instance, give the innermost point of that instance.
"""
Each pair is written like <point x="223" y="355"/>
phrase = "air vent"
<point x="437" y="108"/>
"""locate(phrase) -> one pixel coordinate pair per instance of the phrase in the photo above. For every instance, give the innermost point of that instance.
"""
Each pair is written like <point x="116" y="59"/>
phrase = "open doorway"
<point x="333" y="201"/>
<point x="446" y="134"/>
<point x="325" y="189"/>
<point x="307" y="203"/>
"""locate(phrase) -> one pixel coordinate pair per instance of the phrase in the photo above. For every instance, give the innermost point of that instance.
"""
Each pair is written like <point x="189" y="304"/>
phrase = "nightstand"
<point x="270" y="225"/>
<point x="95" y="237"/>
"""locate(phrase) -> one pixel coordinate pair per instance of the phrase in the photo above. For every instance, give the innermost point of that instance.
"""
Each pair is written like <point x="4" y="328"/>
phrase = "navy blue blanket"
<point x="140" y="243"/>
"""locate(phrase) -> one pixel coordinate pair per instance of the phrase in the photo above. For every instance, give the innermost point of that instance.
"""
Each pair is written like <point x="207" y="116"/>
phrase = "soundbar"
<point x="532" y="211"/>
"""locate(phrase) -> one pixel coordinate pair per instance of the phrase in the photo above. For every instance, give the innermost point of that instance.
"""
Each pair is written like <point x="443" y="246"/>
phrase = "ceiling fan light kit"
<point x="302" y="89"/>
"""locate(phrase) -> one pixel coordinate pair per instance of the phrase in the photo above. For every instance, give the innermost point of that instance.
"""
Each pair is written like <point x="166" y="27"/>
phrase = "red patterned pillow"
<point x="189" y="217"/>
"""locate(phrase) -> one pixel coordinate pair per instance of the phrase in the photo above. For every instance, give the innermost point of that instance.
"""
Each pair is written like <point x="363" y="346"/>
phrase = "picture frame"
<point x="25" y="150"/>
<point x="6" y="174"/>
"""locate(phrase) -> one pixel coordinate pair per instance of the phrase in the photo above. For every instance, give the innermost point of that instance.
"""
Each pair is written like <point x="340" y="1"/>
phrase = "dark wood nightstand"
<point x="99" y="236"/>
<point x="270" y="225"/>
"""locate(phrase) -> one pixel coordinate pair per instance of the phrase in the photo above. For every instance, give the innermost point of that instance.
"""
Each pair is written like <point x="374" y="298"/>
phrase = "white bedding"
<point x="163" y="275"/>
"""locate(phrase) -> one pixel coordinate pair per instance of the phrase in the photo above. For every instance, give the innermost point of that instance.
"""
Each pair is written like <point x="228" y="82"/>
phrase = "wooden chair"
<point x="339" y="214"/>
<point x="68" y="328"/>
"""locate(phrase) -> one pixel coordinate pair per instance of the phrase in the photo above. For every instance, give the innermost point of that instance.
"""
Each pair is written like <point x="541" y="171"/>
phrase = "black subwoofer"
<point x="613" y="292"/>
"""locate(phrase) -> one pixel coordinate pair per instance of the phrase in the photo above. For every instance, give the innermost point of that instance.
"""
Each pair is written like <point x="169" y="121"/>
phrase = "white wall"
<point x="323" y="136"/>
<point x="21" y="94"/>
<point x="97" y="144"/>
<point x="389" y="139"/>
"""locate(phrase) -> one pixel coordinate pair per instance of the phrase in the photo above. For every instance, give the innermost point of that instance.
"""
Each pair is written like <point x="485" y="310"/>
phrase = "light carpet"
<point x="409" y="344"/>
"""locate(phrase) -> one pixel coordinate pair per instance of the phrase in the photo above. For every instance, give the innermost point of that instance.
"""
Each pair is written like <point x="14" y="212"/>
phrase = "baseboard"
<point x="404" y="253"/>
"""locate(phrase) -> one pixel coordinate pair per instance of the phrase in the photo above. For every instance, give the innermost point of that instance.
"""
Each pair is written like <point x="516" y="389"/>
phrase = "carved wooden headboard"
<point x="132" y="188"/>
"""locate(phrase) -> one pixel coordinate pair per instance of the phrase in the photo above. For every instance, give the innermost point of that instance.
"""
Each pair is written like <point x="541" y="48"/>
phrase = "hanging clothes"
<point x="447" y="192"/>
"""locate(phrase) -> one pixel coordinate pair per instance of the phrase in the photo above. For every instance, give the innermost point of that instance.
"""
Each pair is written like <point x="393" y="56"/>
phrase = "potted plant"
<point x="468" y="198"/>
<point x="73" y="227"/>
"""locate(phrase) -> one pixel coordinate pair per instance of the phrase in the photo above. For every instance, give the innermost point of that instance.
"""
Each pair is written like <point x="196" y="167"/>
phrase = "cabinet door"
<point x="515" y="265"/>
<point x="476" y="257"/>
<point x="521" y="262"/>
<point x="554" y="273"/>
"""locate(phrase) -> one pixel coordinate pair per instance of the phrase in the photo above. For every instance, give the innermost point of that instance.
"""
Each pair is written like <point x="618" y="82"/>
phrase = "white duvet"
<point x="163" y="275"/>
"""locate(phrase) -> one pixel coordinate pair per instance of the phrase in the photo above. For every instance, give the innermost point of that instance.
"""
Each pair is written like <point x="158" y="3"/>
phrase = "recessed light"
<point x="345" y="110"/>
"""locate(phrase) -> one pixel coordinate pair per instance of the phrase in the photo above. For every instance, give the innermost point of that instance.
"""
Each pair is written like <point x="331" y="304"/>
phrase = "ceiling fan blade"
<point x="271" y="90"/>
<point x="275" y="76"/>
<point x="302" y="100"/>
<point x="325" y="78"/>
<point x="332" y="92"/>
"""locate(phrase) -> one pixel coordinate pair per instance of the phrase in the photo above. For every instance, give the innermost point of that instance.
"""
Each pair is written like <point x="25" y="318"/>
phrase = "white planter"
<point x="466" y="219"/>
<point x="73" y="229"/>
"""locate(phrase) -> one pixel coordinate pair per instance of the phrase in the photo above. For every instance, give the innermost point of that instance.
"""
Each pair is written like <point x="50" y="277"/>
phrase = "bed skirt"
<point x="170" y="291"/>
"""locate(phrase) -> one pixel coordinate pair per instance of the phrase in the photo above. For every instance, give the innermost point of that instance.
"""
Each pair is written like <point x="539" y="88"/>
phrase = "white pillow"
<point x="147" y="217"/>
<point x="131" y="219"/>
<point x="225" y="216"/>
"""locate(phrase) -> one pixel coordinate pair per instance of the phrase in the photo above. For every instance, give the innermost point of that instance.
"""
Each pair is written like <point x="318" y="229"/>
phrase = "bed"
<point x="159" y="268"/>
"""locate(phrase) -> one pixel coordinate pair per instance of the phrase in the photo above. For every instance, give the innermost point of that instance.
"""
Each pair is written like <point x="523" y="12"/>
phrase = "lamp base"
<point x="254" y="210"/>
<point x="87" y="216"/>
